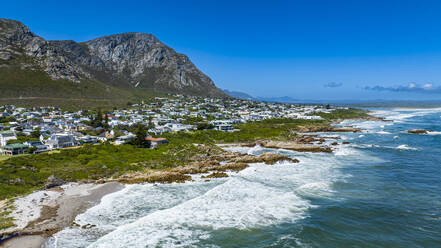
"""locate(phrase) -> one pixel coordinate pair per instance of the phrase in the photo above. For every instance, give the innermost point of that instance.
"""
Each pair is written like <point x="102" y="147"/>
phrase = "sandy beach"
<point x="45" y="212"/>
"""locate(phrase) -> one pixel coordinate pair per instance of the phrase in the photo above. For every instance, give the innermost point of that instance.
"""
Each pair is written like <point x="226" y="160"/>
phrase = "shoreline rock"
<point x="267" y="158"/>
<point x="216" y="175"/>
<point x="155" y="177"/>
<point x="315" y="129"/>
<point x="419" y="131"/>
<point x="294" y="146"/>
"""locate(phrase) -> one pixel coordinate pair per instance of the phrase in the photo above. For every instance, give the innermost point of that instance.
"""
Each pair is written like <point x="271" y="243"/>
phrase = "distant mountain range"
<point x="111" y="67"/>
<point x="239" y="95"/>
<point x="245" y="96"/>
<point x="359" y="103"/>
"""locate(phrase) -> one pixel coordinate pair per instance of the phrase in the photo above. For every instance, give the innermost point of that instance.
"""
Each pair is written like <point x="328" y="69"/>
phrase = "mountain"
<point x="283" y="99"/>
<point x="239" y="95"/>
<point x="114" y="66"/>
<point x="246" y="96"/>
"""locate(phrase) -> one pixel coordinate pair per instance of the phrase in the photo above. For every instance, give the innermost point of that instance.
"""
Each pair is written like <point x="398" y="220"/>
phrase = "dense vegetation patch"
<point x="342" y="114"/>
<point x="21" y="174"/>
<point x="5" y="220"/>
<point x="248" y="132"/>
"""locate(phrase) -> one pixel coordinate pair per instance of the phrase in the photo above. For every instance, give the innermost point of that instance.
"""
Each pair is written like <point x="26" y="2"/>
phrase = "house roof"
<point x="17" y="145"/>
<point x="7" y="134"/>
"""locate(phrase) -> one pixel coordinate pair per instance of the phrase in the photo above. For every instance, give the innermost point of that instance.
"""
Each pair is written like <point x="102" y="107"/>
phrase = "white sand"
<point x="70" y="199"/>
<point x="29" y="241"/>
<point x="28" y="208"/>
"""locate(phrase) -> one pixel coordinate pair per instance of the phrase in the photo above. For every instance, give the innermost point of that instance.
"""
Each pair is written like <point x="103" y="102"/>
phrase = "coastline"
<point x="42" y="213"/>
<point x="49" y="211"/>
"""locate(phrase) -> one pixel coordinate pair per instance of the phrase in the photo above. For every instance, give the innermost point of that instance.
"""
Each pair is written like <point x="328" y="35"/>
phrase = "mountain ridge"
<point x="126" y="62"/>
<point x="246" y="96"/>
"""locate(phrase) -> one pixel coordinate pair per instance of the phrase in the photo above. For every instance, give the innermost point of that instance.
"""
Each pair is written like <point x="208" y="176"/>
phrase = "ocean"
<point x="381" y="190"/>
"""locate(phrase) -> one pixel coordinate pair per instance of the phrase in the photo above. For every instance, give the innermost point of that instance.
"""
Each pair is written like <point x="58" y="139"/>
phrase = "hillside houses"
<point x="57" y="129"/>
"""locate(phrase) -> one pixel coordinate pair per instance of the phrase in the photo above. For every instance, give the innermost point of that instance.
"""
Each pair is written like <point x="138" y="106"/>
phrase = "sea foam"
<point x="183" y="215"/>
<point x="258" y="196"/>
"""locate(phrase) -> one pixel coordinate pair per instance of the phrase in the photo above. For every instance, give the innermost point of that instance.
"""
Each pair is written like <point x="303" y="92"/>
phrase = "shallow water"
<point x="381" y="190"/>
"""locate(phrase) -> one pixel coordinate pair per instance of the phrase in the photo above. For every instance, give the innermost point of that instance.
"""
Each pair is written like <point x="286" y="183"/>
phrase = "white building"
<point x="5" y="136"/>
<point x="61" y="140"/>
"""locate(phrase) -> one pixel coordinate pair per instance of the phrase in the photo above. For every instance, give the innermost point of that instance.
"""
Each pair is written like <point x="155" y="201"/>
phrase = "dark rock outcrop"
<point x="53" y="181"/>
<point x="418" y="131"/>
<point x="313" y="129"/>
<point x="294" y="146"/>
<point x="216" y="175"/>
<point x="156" y="177"/>
<point x="267" y="158"/>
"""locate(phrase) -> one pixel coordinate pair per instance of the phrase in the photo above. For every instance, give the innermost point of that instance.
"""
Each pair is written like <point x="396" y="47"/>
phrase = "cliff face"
<point x="129" y="61"/>
<point x="19" y="47"/>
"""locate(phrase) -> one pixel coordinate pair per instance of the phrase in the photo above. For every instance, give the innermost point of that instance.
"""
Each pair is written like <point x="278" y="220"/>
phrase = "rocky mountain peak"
<point x="128" y="60"/>
<point x="14" y="30"/>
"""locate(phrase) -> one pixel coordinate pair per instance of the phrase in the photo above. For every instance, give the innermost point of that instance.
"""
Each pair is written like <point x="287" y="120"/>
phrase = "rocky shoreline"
<point x="57" y="207"/>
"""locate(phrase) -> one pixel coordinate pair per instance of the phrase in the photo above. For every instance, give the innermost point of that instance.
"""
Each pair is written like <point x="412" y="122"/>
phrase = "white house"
<point x="5" y="136"/>
<point x="61" y="140"/>
<point x="88" y="139"/>
<point x="123" y="139"/>
<point x="37" y="144"/>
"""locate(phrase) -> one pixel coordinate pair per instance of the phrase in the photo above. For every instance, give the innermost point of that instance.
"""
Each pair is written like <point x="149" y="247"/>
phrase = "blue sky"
<point x="304" y="49"/>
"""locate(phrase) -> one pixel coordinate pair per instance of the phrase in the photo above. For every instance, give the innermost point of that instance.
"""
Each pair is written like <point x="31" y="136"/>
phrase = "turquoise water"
<point x="381" y="190"/>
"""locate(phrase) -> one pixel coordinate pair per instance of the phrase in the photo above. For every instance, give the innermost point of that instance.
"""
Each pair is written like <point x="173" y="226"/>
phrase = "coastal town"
<point x="220" y="124"/>
<point x="53" y="161"/>
<point x="44" y="129"/>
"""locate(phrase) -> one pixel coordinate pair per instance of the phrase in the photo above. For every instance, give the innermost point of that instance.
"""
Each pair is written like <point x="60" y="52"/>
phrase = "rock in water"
<point x="418" y="131"/>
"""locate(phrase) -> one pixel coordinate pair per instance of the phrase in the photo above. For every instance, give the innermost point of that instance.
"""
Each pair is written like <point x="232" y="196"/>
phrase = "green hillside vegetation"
<point x="280" y="129"/>
<point x="22" y="174"/>
<point x="342" y="114"/>
<point x="34" y="88"/>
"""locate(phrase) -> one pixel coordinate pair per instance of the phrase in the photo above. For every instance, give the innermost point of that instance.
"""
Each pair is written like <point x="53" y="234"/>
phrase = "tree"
<point x="139" y="140"/>
<point x="36" y="133"/>
<point x="97" y="120"/>
<point x="150" y="124"/>
<point x="106" y="122"/>
<point x="7" y="119"/>
<point x="13" y="141"/>
<point x="204" y="125"/>
<point x="32" y="149"/>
